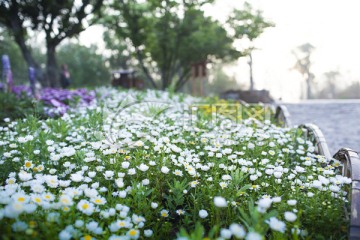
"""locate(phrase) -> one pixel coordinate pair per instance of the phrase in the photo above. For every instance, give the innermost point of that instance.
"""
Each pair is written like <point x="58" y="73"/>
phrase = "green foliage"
<point x="195" y="234"/>
<point x="86" y="66"/>
<point x="15" y="108"/>
<point x="175" y="198"/>
<point x="162" y="182"/>
<point x="18" y="65"/>
<point x="254" y="219"/>
<point x="119" y="54"/>
<point x="58" y="20"/>
<point x="168" y="37"/>
<point x="248" y="23"/>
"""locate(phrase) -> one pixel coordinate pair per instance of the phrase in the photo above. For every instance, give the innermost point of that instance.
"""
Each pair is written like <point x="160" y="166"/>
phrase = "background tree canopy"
<point x="248" y="24"/>
<point x="10" y="48"/>
<point x="167" y="37"/>
<point x="159" y="39"/>
<point x="58" y="20"/>
<point x="86" y="66"/>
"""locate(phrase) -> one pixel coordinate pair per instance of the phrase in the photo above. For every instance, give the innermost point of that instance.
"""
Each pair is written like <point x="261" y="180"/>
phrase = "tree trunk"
<point x="164" y="80"/>
<point x="25" y="51"/>
<point x="184" y="76"/>
<point x="18" y="33"/>
<point x="309" y="85"/>
<point x="144" y="68"/>
<point x="51" y="66"/>
<point x="250" y="62"/>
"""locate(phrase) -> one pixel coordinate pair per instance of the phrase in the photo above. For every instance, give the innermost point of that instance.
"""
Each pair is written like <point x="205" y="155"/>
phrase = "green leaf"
<point x="243" y="189"/>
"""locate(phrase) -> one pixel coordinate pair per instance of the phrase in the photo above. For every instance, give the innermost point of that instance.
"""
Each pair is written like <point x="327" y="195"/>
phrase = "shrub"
<point x="14" y="107"/>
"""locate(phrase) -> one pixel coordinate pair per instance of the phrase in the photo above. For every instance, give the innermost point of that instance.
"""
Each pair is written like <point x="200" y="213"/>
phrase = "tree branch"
<point x="184" y="77"/>
<point x="144" y="68"/>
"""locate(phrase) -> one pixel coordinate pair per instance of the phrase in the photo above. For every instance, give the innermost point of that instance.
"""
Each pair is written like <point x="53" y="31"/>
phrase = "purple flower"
<point x="59" y="101"/>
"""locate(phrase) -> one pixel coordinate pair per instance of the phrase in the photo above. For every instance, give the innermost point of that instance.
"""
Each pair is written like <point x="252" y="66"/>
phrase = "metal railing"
<point x="313" y="132"/>
<point x="351" y="169"/>
<point x="282" y="116"/>
<point x="349" y="158"/>
<point x="315" y="135"/>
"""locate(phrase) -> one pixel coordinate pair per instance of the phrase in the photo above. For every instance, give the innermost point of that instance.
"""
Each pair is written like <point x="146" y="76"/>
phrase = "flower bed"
<point x="153" y="165"/>
<point x="58" y="101"/>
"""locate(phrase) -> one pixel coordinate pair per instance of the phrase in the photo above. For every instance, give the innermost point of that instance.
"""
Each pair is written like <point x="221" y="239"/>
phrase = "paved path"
<point x="339" y="120"/>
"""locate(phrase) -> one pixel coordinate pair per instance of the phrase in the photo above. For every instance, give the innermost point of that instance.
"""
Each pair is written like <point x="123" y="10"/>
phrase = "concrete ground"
<point x="339" y="120"/>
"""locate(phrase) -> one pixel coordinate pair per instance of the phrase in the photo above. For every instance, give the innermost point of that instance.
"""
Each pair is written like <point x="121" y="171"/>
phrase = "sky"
<point x="331" y="26"/>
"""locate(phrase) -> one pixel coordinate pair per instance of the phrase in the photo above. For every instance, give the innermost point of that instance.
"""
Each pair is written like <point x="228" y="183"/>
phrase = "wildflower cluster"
<point x="58" y="101"/>
<point x="118" y="170"/>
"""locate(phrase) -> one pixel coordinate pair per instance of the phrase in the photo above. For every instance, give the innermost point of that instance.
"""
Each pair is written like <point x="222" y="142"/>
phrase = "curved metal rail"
<point x="349" y="158"/>
<point x="351" y="169"/>
<point x="315" y="135"/>
<point x="282" y="116"/>
<point x="313" y="132"/>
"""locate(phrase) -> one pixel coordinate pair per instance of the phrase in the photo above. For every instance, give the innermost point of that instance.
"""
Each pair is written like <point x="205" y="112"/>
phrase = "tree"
<point x="303" y="65"/>
<point x="351" y="92"/>
<point x="58" y="20"/>
<point x="8" y="47"/>
<point x="167" y="37"/>
<point x="249" y="24"/>
<point x="86" y="66"/>
<point x="118" y="51"/>
<point x="331" y="79"/>
<point x="119" y="55"/>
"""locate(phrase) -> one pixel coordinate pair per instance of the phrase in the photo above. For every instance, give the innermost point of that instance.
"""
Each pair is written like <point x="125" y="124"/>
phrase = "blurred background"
<point x="260" y="50"/>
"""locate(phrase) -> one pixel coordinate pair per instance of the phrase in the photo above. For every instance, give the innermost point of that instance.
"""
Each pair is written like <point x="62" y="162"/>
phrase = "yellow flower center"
<point x="122" y="224"/>
<point x="87" y="237"/>
<point x="28" y="164"/>
<point x="32" y="224"/>
<point x="21" y="199"/>
<point x="132" y="232"/>
<point x="98" y="201"/>
<point x="85" y="206"/>
<point x="38" y="200"/>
